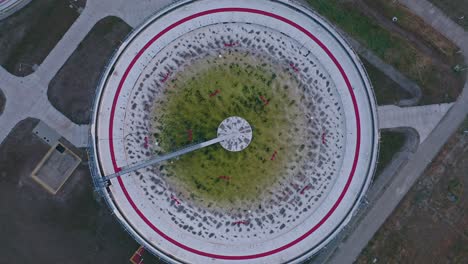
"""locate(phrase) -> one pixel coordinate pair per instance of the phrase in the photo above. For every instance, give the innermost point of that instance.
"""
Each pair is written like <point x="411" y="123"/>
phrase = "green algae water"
<point x="199" y="98"/>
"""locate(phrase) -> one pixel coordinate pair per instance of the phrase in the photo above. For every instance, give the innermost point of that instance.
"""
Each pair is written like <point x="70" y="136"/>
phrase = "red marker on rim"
<point x="243" y="222"/>
<point x="324" y="140"/>
<point x="231" y="44"/>
<point x="307" y="187"/>
<point x="175" y="199"/>
<point x="296" y="69"/>
<point x="166" y="77"/>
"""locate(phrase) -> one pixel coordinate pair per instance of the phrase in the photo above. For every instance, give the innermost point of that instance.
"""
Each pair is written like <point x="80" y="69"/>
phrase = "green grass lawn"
<point x="200" y="98"/>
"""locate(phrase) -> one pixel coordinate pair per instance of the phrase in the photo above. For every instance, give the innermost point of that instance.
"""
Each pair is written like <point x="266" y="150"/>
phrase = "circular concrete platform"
<point x="322" y="188"/>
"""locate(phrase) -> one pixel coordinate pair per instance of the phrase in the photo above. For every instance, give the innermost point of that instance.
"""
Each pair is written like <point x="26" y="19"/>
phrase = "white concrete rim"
<point x="358" y="66"/>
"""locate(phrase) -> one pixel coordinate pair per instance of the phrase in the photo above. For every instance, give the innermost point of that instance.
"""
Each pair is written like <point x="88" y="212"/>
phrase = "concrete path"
<point x="67" y="45"/>
<point x="384" y="205"/>
<point x="95" y="10"/>
<point x="27" y="96"/>
<point x="422" y="118"/>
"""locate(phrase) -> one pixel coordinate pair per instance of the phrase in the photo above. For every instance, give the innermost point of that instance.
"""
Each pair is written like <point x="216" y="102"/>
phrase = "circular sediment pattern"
<point x="276" y="194"/>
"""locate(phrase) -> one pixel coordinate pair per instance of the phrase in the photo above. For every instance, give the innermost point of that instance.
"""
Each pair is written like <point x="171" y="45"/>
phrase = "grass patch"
<point x="439" y="85"/>
<point x="204" y="95"/>
<point x="414" y="24"/>
<point x="28" y="36"/>
<point x="386" y="90"/>
<point x="72" y="89"/>
<point x="390" y="144"/>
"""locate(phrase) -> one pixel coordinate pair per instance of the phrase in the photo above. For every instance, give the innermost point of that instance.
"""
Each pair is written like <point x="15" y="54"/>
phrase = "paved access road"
<point x="350" y="249"/>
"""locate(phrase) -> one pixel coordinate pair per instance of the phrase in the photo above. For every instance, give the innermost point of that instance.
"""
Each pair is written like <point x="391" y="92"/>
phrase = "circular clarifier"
<point x="294" y="109"/>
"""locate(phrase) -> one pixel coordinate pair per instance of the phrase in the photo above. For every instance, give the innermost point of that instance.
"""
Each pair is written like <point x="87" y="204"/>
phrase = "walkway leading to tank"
<point x="8" y="7"/>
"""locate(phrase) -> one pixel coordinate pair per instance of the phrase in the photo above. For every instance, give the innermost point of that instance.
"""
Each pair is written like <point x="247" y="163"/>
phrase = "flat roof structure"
<point x="342" y="140"/>
<point x="55" y="168"/>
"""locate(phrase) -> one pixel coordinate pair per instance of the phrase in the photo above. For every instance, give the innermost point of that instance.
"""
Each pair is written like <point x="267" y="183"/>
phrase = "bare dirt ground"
<point x="72" y="90"/>
<point x="36" y="227"/>
<point x="27" y="37"/>
<point x="431" y="224"/>
<point x="440" y="54"/>
<point x="2" y="102"/>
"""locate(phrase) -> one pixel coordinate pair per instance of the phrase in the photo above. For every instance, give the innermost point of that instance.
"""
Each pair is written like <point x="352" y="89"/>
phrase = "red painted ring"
<point x="356" y="154"/>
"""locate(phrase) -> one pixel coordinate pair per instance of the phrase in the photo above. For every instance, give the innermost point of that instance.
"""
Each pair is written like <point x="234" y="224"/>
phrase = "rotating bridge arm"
<point x="158" y="159"/>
